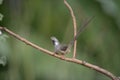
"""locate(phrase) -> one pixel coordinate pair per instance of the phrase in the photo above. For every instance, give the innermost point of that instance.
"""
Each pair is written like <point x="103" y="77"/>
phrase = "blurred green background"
<point x="38" y="20"/>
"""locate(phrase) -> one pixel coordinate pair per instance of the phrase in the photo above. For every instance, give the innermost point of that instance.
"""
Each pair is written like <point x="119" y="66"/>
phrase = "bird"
<point x="62" y="49"/>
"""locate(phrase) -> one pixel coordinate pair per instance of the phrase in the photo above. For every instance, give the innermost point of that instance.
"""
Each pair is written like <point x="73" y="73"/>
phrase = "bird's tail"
<point x="82" y="28"/>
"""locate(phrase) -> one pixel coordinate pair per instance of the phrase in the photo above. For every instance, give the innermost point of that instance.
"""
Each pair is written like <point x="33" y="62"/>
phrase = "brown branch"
<point x="73" y="60"/>
<point x="74" y="25"/>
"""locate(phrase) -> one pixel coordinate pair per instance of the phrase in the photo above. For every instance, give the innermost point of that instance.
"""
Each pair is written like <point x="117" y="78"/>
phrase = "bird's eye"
<point x="53" y="41"/>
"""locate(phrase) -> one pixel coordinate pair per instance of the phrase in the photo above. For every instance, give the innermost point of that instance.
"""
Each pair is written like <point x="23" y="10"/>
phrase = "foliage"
<point x="1" y="1"/>
<point x="1" y="16"/>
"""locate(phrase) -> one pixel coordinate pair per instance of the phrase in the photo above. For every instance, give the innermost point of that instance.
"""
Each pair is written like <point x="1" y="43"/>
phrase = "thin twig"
<point x="73" y="60"/>
<point x="74" y="25"/>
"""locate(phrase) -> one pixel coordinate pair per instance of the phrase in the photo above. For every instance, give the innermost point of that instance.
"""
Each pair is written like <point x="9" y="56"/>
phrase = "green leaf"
<point x="3" y="60"/>
<point x="1" y="17"/>
<point x="1" y="1"/>
<point x="3" y="37"/>
<point x="0" y="32"/>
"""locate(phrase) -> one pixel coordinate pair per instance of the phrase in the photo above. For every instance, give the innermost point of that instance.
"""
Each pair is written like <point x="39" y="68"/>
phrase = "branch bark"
<point x="73" y="60"/>
<point x="74" y="26"/>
